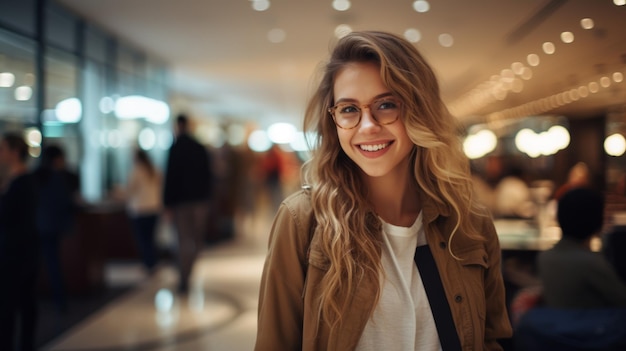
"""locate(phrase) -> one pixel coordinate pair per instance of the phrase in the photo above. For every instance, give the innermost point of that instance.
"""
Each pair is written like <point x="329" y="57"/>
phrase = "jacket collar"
<point x="432" y="209"/>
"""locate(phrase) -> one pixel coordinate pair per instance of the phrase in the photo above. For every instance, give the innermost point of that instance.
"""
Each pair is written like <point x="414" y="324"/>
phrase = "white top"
<point x="393" y="326"/>
<point x="144" y="192"/>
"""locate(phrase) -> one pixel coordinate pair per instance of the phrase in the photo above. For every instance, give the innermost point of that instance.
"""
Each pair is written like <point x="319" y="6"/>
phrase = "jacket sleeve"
<point x="280" y="313"/>
<point x="497" y="322"/>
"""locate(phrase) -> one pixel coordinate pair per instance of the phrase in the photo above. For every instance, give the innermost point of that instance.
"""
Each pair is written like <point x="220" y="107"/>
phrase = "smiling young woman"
<point x="385" y="248"/>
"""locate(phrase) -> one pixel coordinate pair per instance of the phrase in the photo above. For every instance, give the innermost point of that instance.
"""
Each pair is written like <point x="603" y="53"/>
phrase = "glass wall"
<point x="17" y="81"/>
<point x="86" y="74"/>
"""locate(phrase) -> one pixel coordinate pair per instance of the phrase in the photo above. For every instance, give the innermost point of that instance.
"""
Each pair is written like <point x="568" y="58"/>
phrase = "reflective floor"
<point x="218" y="313"/>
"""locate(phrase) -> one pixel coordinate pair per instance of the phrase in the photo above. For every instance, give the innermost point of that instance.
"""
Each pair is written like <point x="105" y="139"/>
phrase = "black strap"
<point x="427" y="268"/>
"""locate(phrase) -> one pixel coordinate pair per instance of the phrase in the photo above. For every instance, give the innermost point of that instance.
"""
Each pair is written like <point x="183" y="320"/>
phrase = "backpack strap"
<point x="429" y="273"/>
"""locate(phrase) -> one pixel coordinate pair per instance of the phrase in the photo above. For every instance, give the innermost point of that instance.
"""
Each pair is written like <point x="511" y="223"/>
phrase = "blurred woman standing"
<point x="144" y="205"/>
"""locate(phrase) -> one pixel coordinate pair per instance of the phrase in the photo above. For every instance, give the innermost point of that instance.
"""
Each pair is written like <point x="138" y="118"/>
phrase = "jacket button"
<point x="458" y="298"/>
<point x="443" y="245"/>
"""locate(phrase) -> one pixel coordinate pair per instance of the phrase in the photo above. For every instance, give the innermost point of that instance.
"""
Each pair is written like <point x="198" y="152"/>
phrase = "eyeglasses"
<point x="347" y="115"/>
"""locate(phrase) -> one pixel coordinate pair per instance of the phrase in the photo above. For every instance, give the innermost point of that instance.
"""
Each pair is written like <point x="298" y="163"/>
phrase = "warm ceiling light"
<point x="446" y="40"/>
<point x="260" y="5"/>
<point x="517" y="67"/>
<point x="615" y="145"/>
<point x="619" y="2"/>
<point x="618" y="77"/>
<point x="413" y="35"/>
<point x="276" y="35"/>
<point x="594" y="87"/>
<point x="586" y="23"/>
<point x="342" y="30"/>
<point x="421" y="6"/>
<point x="548" y="48"/>
<point x="527" y="73"/>
<point x="567" y="37"/>
<point x="507" y="75"/>
<point x="341" y="5"/>
<point x="583" y="91"/>
<point x="605" y="82"/>
<point x="533" y="60"/>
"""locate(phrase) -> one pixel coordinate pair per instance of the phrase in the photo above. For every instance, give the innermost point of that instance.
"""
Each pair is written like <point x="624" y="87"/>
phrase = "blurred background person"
<point x="572" y="276"/>
<point x="271" y="171"/>
<point x="578" y="176"/>
<point x="55" y="215"/>
<point x="19" y="247"/>
<point x="513" y="197"/>
<point x="186" y="195"/>
<point x="144" y="203"/>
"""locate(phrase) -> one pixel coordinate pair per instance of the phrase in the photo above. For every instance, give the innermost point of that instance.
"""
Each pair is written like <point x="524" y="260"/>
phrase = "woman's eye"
<point x="386" y="105"/>
<point x="349" y="109"/>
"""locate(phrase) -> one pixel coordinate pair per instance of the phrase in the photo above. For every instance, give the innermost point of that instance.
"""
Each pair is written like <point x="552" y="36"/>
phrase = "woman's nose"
<point x="368" y="122"/>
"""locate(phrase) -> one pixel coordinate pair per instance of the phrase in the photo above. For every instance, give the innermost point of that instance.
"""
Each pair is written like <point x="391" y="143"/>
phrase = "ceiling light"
<point x="479" y="144"/>
<point x="260" y="5"/>
<point x="618" y="77"/>
<point x="533" y="60"/>
<point x="517" y="67"/>
<point x="421" y="6"/>
<point x="615" y="145"/>
<point x="548" y="48"/>
<point x="527" y="73"/>
<point x="567" y="37"/>
<point x="146" y="138"/>
<point x="281" y="133"/>
<point x="446" y="40"/>
<point x="23" y="93"/>
<point x="583" y="91"/>
<point x="69" y="110"/>
<point x="137" y="106"/>
<point x="276" y="35"/>
<point x="7" y="79"/>
<point x="107" y="105"/>
<point x="594" y="87"/>
<point x="236" y="134"/>
<point x="413" y="35"/>
<point x="258" y="141"/>
<point x="586" y="23"/>
<point x="342" y="30"/>
<point x="619" y="2"/>
<point x="605" y="82"/>
<point x="341" y="5"/>
<point x="507" y="75"/>
<point x="33" y="137"/>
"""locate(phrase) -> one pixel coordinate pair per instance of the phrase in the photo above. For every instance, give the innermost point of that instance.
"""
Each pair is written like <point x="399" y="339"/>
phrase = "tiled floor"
<point x="218" y="313"/>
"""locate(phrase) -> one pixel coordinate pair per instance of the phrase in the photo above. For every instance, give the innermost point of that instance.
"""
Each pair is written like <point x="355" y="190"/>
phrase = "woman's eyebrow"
<point x="379" y="96"/>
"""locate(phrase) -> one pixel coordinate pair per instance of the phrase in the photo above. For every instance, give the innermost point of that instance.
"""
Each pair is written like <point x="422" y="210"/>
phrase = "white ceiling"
<point x="223" y="65"/>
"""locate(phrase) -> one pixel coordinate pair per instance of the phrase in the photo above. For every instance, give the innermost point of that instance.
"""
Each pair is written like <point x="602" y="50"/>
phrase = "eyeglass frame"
<point x="331" y="110"/>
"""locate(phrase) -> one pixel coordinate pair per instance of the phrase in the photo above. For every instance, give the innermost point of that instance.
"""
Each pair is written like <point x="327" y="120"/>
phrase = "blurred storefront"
<point x="64" y="80"/>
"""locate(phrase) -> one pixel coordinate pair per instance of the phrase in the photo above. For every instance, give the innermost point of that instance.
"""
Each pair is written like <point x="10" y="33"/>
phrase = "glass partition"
<point x="17" y="82"/>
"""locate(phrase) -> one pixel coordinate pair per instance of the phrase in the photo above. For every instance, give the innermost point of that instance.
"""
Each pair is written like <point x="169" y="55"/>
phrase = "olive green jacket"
<point x="288" y="317"/>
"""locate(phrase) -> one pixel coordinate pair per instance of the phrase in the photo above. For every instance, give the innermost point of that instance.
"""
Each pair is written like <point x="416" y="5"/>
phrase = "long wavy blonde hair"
<point x="350" y="234"/>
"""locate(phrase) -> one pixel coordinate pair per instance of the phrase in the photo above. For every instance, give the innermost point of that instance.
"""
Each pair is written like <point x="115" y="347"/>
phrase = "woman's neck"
<point x="395" y="199"/>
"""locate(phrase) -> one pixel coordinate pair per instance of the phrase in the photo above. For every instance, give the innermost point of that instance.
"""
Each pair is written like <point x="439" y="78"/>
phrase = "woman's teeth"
<point x="373" y="147"/>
